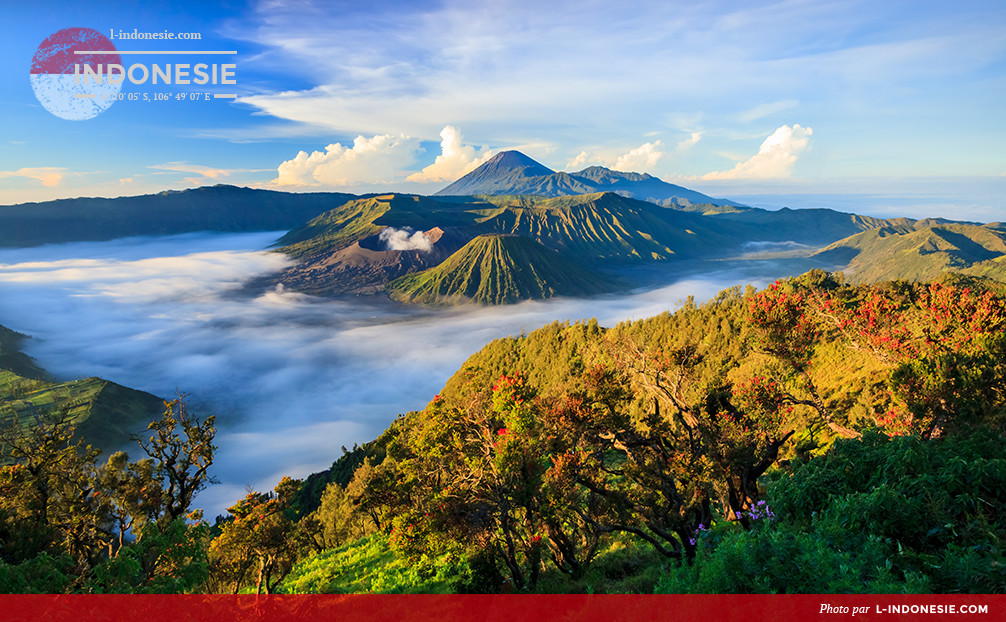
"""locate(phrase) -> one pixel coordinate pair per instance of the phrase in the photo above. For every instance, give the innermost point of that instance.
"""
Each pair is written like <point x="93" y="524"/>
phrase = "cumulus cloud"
<point x="50" y="176"/>
<point x="775" y="158"/>
<point x="455" y="160"/>
<point x="642" y="159"/>
<point x="405" y="240"/>
<point x="379" y="159"/>
<point x="580" y="161"/>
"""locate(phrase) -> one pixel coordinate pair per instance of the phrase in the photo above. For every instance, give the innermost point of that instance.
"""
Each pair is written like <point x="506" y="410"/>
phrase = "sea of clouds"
<point x="292" y="378"/>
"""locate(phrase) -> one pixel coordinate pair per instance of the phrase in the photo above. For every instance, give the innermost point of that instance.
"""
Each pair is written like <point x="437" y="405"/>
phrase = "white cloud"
<point x="689" y="142"/>
<point x="379" y="159"/>
<point x="455" y="159"/>
<point x="580" y="161"/>
<point x="50" y="176"/>
<point x="405" y="240"/>
<point x="641" y="159"/>
<point x="775" y="157"/>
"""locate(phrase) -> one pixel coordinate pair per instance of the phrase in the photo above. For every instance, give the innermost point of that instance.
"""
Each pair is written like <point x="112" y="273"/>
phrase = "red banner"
<point x="547" y="608"/>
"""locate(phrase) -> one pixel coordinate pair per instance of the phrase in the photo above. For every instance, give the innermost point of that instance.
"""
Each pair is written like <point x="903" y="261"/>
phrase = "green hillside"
<point x="105" y="413"/>
<point x="603" y="228"/>
<point x="790" y="440"/>
<point x="606" y="226"/>
<point x="358" y="218"/>
<point x="597" y="227"/>
<point x="13" y="359"/>
<point x="921" y="252"/>
<point x="498" y="269"/>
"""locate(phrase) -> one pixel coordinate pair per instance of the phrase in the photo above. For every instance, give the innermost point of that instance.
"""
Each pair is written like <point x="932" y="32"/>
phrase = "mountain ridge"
<point x="498" y="269"/>
<point x="220" y="208"/>
<point x="922" y="251"/>
<point x="512" y="172"/>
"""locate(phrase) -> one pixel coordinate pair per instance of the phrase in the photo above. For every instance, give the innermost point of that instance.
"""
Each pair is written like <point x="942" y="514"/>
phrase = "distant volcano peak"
<point x="517" y="160"/>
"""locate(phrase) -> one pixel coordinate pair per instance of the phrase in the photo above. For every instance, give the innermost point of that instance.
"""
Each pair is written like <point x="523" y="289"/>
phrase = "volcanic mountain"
<point x="498" y="269"/>
<point x="368" y="263"/>
<point x="513" y="173"/>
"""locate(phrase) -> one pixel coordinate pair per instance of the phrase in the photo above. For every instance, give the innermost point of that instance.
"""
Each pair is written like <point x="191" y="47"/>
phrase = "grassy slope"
<point x="359" y="218"/>
<point x="369" y="565"/>
<point x="495" y="269"/>
<point x="600" y="226"/>
<point x="605" y="226"/>
<point x="921" y="254"/>
<point x="105" y="413"/>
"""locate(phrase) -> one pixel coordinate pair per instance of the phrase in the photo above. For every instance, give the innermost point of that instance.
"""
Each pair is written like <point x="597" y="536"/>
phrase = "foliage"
<point x="878" y="514"/>
<point x="261" y="540"/>
<point x="944" y="346"/>
<point x="60" y="508"/>
<point x="815" y="436"/>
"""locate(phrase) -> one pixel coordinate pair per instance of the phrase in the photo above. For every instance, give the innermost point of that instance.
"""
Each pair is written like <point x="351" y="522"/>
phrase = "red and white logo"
<point x="59" y="75"/>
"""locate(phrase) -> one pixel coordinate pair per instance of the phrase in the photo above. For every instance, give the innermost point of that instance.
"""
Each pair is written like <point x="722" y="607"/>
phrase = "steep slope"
<point x="921" y="252"/>
<point x="368" y="263"/>
<point x="216" y="208"/>
<point x="498" y="269"/>
<point x="513" y="173"/>
<point x="12" y="359"/>
<point x="343" y="251"/>
<point x="816" y="226"/>
<point x="606" y="226"/>
<point x="105" y="413"/>
<point x="358" y="218"/>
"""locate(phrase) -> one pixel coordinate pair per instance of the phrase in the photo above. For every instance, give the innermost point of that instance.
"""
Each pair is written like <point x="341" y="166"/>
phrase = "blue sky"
<point x="892" y="108"/>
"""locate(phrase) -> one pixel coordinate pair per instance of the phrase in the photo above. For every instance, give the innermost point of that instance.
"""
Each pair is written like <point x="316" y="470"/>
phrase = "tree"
<point x="47" y="491"/>
<point x="182" y="449"/>
<point x="260" y="540"/>
<point x="58" y="504"/>
<point x="944" y="346"/>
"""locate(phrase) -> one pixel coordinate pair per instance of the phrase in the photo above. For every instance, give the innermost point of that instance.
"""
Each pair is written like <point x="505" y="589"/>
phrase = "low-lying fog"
<point x="292" y="378"/>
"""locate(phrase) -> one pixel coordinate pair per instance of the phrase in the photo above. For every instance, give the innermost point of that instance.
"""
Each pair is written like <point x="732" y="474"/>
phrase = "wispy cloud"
<point x="764" y="110"/>
<point x="692" y="140"/>
<point x="49" y="176"/>
<point x="206" y="173"/>
<point x="594" y="74"/>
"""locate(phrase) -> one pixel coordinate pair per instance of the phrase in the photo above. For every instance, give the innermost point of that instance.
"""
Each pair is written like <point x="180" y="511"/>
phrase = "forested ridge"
<point x="814" y="436"/>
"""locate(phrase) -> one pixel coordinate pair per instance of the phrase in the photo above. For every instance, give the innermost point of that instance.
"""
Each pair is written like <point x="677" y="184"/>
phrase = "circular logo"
<point x="76" y="86"/>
